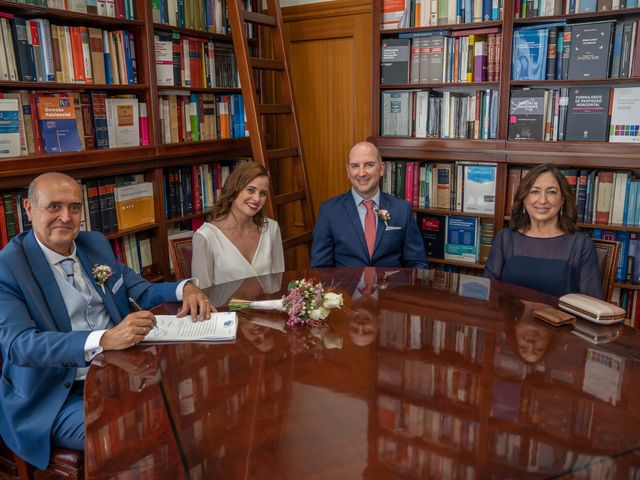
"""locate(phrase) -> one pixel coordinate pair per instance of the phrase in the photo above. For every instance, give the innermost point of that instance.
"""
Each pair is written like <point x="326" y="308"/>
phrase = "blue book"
<point x="616" y="54"/>
<point x="461" y="239"/>
<point x="529" y="59"/>
<point x="127" y="56"/>
<point x="621" y="270"/>
<point x="627" y="207"/>
<point x="58" y="124"/>
<point x="486" y="10"/>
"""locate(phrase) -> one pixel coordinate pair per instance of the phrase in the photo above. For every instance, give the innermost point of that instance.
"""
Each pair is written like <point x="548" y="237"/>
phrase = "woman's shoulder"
<point x="271" y="224"/>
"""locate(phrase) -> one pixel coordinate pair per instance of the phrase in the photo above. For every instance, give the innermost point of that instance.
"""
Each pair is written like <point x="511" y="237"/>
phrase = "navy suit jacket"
<point x="338" y="237"/>
<point x="39" y="350"/>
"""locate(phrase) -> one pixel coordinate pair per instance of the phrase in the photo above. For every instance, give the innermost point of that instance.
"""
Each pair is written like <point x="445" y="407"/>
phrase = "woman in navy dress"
<point x="542" y="249"/>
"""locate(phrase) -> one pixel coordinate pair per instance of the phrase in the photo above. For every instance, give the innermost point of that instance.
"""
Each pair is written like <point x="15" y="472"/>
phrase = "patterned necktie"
<point x="67" y="266"/>
<point x="369" y="226"/>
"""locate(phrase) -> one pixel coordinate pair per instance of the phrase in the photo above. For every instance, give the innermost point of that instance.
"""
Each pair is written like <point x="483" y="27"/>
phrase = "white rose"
<point x="332" y="300"/>
<point x="319" y="313"/>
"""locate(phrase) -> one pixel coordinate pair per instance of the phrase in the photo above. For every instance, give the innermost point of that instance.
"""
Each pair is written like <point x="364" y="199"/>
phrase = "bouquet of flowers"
<point x="306" y="303"/>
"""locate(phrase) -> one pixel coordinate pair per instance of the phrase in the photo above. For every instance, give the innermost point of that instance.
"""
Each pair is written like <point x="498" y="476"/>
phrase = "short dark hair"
<point x="568" y="216"/>
<point x="239" y="178"/>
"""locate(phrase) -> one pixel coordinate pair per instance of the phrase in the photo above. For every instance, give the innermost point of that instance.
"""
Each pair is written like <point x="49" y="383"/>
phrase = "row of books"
<point x="457" y="238"/>
<point x="35" y="50"/>
<point x="411" y="461"/>
<point x="413" y="332"/>
<point x="430" y="381"/>
<point x="439" y="114"/>
<point x="628" y="268"/>
<point x="580" y="51"/>
<point x="107" y="8"/>
<point x="630" y="301"/>
<point x="195" y="117"/>
<point x="423" y="13"/>
<point x="195" y="188"/>
<point x="441" y="57"/>
<point x="406" y="419"/>
<point x="575" y="114"/>
<point x="204" y="15"/>
<point x="462" y="186"/>
<point x="134" y="251"/>
<point x="37" y="123"/>
<point x="194" y="62"/>
<point x="602" y="196"/>
<point x="547" y="8"/>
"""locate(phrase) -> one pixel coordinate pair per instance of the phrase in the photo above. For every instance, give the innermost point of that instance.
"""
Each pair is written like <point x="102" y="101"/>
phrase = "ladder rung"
<point x="266" y="64"/>
<point x="282" y="153"/>
<point x="259" y="18"/>
<point x="297" y="240"/>
<point x="289" y="197"/>
<point x="273" y="108"/>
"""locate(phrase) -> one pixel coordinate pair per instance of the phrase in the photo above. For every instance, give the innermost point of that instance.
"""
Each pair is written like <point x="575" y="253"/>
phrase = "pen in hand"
<point x="135" y="306"/>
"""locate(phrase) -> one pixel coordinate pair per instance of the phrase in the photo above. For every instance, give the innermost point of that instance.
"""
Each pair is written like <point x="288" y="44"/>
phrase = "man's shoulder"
<point x="337" y="200"/>
<point x="92" y="241"/>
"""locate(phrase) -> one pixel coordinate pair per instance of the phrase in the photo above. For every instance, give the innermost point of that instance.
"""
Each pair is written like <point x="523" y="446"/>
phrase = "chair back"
<point x="181" y="252"/>
<point x="608" y="252"/>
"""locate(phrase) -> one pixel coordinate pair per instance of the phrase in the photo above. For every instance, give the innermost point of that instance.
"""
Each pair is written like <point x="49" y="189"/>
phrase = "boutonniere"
<point x="101" y="273"/>
<point x="384" y="215"/>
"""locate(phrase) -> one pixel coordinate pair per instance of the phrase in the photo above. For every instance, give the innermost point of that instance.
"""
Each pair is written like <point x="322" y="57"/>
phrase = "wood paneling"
<point x="330" y="59"/>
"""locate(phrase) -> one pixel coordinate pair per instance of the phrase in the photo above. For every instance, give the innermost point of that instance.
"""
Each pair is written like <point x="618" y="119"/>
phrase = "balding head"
<point x="54" y="206"/>
<point x="365" y="148"/>
<point x="50" y="178"/>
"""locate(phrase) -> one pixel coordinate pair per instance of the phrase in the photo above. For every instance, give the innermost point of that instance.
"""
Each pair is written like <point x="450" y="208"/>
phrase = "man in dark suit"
<point x="366" y="227"/>
<point x="56" y="314"/>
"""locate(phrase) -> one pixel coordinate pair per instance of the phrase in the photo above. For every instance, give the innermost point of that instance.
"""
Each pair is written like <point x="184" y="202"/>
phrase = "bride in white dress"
<point x="240" y="242"/>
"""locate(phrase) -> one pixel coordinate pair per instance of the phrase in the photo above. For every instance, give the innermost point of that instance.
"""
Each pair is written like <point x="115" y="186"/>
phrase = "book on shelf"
<point x="461" y="239"/>
<point x="529" y="59"/>
<point x="479" y="188"/>
<point x="625" y="122"/>
<point x="396" y="113"/>
<point x="58" y="126"/>
<point x="134" y="205"/>
<point x="590" y="50"/>
<point x="526" y="114"/>
<point x="588" y="114"/>
<point x="122" y="122"/>
<point x="394" y="61"/>
<point x="10" y="113"/>
<point x="432" y="228"/>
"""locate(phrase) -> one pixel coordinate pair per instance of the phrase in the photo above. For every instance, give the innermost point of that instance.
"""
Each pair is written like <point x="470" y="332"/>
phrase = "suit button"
<point x="67" y="385"/>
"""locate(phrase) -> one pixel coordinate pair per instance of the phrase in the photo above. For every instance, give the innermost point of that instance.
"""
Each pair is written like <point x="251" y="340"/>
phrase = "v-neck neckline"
<point x="230" y="242"/>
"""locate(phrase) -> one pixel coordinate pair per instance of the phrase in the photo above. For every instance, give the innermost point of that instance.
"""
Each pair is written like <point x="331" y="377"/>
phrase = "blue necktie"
<point x="67" y="266"/>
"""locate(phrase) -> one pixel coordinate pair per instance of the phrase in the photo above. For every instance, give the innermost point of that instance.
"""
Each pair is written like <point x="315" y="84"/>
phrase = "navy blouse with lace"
<point x="558" y="265"/>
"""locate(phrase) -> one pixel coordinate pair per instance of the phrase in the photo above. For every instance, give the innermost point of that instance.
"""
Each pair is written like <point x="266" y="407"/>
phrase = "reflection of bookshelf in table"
<point x="440" y="407"/>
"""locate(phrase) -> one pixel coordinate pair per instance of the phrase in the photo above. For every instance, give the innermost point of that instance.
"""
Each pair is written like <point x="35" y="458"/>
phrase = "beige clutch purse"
<point x="591" y="308"/>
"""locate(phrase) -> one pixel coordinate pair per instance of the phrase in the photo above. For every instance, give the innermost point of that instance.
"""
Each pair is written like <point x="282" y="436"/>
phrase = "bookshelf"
<point x="500" y="148"/>
<point x="156" y="150"/>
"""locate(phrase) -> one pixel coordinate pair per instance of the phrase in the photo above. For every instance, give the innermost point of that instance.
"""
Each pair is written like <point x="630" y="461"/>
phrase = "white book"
<point x="67" y="51"/>
<point x="619" y="197"/>
<point x="4" y="53"/>
<point x="186" y="65"/>
<point x="422" y="110"/>
<point x="9" y="49"/>
<point x="9" y="127"/>
<point x="625" y="124"/>
<point x="479" y="189"/>
<point x="164" y="60"/>
<point x="123" y="122"/>
<point x="44" y="30"/>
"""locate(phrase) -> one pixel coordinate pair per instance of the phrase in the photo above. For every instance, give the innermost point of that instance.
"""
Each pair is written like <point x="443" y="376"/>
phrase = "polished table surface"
<point x="431" y="375"/>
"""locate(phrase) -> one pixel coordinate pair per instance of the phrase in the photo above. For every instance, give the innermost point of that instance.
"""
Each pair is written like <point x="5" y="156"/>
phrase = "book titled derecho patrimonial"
<point x="58" y="124"/>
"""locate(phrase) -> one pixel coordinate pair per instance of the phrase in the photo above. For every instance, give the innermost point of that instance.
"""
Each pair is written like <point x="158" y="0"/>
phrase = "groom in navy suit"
<point x="366" y="227"/>
<point x="55" y="316"/>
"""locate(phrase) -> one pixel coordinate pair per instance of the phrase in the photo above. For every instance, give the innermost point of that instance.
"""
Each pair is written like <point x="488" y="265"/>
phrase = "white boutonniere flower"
<point x="101" y="273"/>
<point x="384" y="215"/>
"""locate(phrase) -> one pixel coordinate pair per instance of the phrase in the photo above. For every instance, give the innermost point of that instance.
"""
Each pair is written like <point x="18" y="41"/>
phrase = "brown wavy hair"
<point x="568" y="215"/>
<point x="239" y="178"/>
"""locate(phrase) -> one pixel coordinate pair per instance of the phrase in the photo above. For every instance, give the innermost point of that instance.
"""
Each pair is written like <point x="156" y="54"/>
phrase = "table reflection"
<point x="426" y="375"/>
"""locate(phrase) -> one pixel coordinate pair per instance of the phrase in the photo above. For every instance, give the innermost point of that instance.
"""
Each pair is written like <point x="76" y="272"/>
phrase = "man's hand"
<point x="196" y="303"/>
<point x="129" y="332"/>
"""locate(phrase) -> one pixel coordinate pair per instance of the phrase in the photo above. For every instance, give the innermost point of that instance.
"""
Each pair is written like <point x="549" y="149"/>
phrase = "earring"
<point x="524" y="211"/>
<point x="561" y="210"/>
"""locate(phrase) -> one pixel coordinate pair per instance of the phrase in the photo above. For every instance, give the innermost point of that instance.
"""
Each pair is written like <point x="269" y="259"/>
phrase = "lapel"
<point x="43" y="275"/>
<point x="107" y="298"/>
<point x="380" y="226"/>
<point x="352" y="212"/>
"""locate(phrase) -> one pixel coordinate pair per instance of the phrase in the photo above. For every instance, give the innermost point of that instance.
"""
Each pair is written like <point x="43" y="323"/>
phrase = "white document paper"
<point x="169" y="328"/>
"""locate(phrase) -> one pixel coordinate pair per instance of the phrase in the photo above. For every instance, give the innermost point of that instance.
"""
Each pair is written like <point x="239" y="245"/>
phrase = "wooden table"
<point x="434" y="375"/>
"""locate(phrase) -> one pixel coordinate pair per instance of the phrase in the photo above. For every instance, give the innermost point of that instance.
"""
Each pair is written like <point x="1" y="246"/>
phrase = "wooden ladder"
<point x="287" y="161"/>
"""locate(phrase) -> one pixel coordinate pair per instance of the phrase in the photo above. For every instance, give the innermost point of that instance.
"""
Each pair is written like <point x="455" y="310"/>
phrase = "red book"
<point x="196" y="194"/>
<point x="76" y="53"/>
<point x="35" y="122"/>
